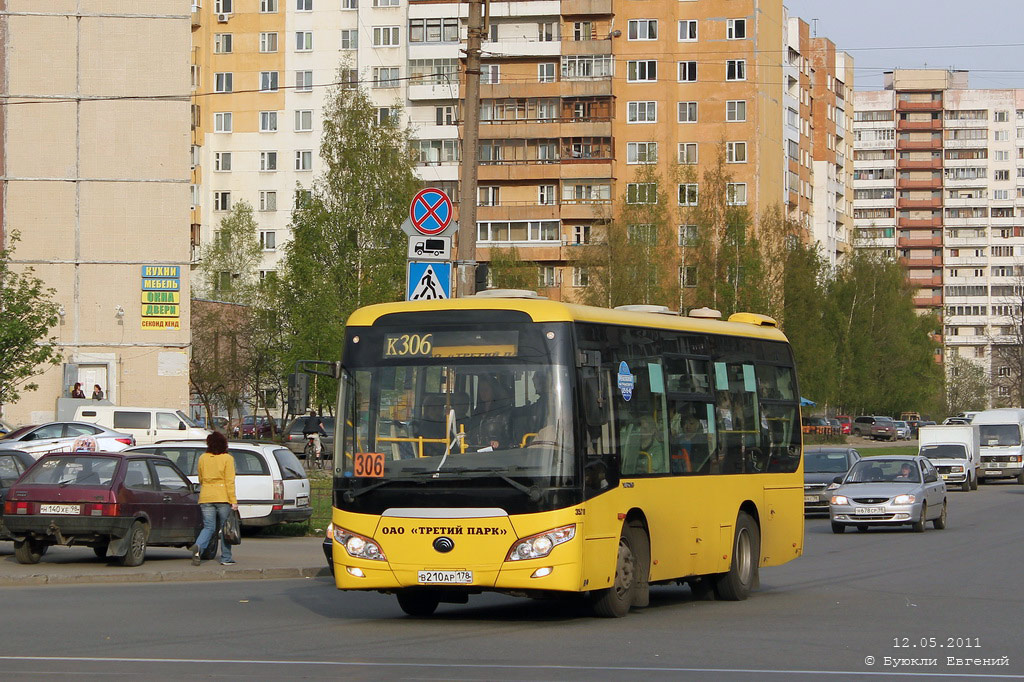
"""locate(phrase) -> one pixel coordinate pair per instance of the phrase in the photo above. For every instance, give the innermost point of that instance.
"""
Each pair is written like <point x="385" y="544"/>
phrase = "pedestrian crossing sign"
<point x="428" y="281"/>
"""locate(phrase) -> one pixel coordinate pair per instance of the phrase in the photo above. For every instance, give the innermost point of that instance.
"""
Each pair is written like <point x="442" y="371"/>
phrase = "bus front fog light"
<point x="540" y="545"/>
<point x="357" y="572"/>
<point x="358" y="546"/>
<point x="541" y="572"/>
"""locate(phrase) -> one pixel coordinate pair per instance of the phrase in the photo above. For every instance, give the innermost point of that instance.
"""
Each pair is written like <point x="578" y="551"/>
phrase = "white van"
<point x="955" y="452"/>
<point x="1002" y="455"/>
<point x="147" y="424"/>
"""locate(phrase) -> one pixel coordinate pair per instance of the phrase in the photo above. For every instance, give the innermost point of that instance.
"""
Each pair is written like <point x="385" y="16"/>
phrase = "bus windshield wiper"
<point x="532" y="490"/>
<point x="350" y="495"/>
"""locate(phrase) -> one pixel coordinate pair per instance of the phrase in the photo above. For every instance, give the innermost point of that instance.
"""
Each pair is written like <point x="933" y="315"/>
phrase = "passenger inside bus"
<point x="491" y="423"/>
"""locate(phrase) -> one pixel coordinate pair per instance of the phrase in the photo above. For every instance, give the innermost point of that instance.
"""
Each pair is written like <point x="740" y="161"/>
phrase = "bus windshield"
<point x="1000" y="434"/>
<point x="467" y="404"/>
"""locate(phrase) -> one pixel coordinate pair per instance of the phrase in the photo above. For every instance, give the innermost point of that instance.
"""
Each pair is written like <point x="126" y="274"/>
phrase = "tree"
<point x="27" y="313"/>
<point x="1008" y="345"/>
<point x="229" y="266"/>
<point x="509" y="271"/>
<point x="634" y="258"/>
<point x="347" y="249"/>
<point x="966" y="385"/>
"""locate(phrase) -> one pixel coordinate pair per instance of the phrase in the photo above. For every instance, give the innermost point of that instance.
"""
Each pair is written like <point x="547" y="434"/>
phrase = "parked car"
<point x="883" y="428"/>
<point x="815" y="425"/>
<point x="902" y="430"/>
<point x="270" y="483"/>
<point x="888" y="491"/>
<point x="861" y="426"/>
<point x="220" y="423"/>
<point x="296" y="442"/>
<point x="13" y="463"/>
<point x="956" y="420"/>
<point x="846" y="422"/>
<point x="821" y="466"/>
<point x="147" y="424"/>
<point x="252" y="426"/>
<point x="116" y="503"/>
<point x="38" y="439"/>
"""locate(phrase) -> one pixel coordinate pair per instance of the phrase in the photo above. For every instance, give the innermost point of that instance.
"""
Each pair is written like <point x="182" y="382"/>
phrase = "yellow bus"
<point x="531" y="447"/>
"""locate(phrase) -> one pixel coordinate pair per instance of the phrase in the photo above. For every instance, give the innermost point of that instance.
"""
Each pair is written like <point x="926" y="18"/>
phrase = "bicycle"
<point x="313" y="460"/>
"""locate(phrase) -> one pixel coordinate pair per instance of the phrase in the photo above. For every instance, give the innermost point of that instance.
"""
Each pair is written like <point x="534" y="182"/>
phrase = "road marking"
<point x="512" y="666"/>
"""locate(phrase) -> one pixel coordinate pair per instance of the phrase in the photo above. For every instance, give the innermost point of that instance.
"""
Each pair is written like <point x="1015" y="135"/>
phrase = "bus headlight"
<point x="540" y="545"/>
<point x="358" y="546"/>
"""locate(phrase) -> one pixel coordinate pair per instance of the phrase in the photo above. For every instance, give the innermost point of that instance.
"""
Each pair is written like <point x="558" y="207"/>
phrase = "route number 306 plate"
<point x="368" y="465"/>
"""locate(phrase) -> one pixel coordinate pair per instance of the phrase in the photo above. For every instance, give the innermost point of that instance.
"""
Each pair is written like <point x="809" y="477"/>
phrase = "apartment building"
<point x="939" y="181"/>
<point x="576" y="97"/>
<point x="94" y="157"/>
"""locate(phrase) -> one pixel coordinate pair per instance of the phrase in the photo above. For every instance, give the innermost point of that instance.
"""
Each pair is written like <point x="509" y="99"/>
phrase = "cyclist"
<point x="311" y="430"/>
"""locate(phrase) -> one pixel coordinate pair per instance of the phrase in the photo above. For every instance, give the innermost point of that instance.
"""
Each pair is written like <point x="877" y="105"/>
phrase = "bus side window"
<point x="689" y="446"/>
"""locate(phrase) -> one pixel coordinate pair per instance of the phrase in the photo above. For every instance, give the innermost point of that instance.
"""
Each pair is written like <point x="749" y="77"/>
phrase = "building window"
<point x="546" y="72"/>
<point x="546" y="276"/>
<point x="642" y="112"/>
<point x="1001" y="175"/>
<point x="518" y="231"/>
<point x="303" y="120"/>
<point x="688" y="194"/>
<point x="642" y="71"/>
<point x="385" y="77"/>
<point x="581" y="234"/>
<point x="223" y="6"/>
<point x="687" y="30"/>
<point x="736" y="152"/>
<point x="736" y="69"/>
<point x="642" y="193"/>
<point x="546" y="195"/>
<point x="547" y="31"/>
<point x="385" y="3"/>
<point x="303" y="160"/>
<point x="222" y="161"/>
<point x="268" y="6"/>
<point x="268" y="121"/>
<point x="580" y="277"/>
<point x="385" y="36"/>
<point x="433" y="152"/>
<point x="687" y="112"/>
<point x="688" y="153"/>
<point x="222" y="43"/>
<point x="222" y="201"/>
<point x="350" y="4"/>
<point x="303" y="41"/>
<point x="303" y="81"/>
<point x="687" y="235"/>
<point x="434" y="30"/>
<point x="268" y="238"/>
<point x="222" y="82"/>
<point x="583" y="30"/>
<point x="736" y="193"/>
<point x="687" y="72"/>
<point x="268" y="42"/>
<point x="735" y="29"/>
<point x="641" y="152"/>
<point x="736" y="110"/>
<point x="304" y="5"/>
<point x="488" y="195"/>
<point x="349" y="39"/>
<point x="222" y="122"/>
<point x="445" y="115"/>
<point x="577" y="67"/>
<point x="268" y="81"/>
<point x="643" y="29"/>
<point x="688" y="276"/>
<point x="385" y="115"/>
<point x="490" y="74"/>
<point x="268" y="161"/>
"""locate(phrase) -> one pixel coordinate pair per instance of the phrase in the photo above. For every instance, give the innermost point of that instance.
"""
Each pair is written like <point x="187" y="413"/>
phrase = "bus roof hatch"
<point x="754" y="318"/>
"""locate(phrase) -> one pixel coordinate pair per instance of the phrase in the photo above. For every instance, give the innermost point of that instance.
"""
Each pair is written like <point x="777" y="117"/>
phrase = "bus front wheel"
<point x="630" y="587"/>
<point x="735" y="585"/>
<point x="419" y="603"/>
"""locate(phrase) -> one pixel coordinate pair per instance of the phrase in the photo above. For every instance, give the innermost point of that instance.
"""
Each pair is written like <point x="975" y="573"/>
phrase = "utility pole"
<point x="470" y="138"/>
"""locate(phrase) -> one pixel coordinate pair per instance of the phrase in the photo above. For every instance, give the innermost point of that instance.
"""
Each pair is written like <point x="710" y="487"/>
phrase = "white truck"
<point x="955" y="450"/>
<point x="1002" y="454"/>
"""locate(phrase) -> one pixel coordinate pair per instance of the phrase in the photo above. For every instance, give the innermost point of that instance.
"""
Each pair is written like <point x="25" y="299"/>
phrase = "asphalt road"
<point x="852" y="598"/>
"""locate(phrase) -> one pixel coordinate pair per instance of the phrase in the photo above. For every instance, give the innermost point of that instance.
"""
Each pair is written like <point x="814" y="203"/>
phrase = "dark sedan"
<point x="13" y="463"/>
<point x="821" y="466"/>
<point x="116" y="503"/>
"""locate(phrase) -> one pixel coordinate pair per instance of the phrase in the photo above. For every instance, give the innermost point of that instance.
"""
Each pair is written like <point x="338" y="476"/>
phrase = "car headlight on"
<point x="358" y="546"/>
<point x="904" y="499"/>
<point x="840" y="499"/>
<point x="540" y="545"/>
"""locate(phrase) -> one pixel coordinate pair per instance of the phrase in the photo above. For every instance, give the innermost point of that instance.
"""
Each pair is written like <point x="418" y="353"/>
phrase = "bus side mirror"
<point x="837" y="479"/>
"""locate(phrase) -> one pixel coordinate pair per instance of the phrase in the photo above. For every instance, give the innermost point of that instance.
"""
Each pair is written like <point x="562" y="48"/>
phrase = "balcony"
<point x="571" y="8"/>
<point x="585" y="209"/>
<point x="546" y="170"/>
<point x="577" y="47"/>
<point x="934" y="261"/>
<point x="523" y="47"/>
<point x="934" y="183"/>
<point x="197" y="19"/>
<point x="589" y="87"/>
<point x="919" y="125"/>
<point x="518" y="210"/>
<point x="538" y="128"/>
<point x="919" y="203"/>
<point x="930" y="105"/>
<point x="974" y="143"/>
<point x="923" y="164"/>
<point x="919" y="145"/>
<point x="927" y="301"/>
<point x="913" y="242"/>
<point x="434" y="91"/>
<point x="933" y="281"/>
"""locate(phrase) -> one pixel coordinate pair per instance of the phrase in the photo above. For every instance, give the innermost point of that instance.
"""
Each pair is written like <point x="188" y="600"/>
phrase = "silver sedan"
<point x="889" y="491"/>
<point x="39" y="439"/>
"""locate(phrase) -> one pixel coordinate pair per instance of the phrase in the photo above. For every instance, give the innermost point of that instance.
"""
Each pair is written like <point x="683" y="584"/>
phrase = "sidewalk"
<point x="258" y="558"/>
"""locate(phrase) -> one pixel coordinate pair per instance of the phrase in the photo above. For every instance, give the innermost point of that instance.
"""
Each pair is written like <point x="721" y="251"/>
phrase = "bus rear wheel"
<point x="736" y="584"/>
<point x="630" y="586"/>
<point x="419" y="603"/>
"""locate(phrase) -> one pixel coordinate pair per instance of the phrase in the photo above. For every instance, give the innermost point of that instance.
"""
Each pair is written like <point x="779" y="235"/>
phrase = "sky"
<point x="982" y="36"/>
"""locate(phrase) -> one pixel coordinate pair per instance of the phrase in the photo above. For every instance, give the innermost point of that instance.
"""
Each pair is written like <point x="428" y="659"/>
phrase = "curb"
<point x="166" y="576"/>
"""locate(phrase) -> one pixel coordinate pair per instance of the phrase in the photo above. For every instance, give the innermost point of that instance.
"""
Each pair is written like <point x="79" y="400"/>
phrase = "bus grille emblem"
<point x="444" y="545"/>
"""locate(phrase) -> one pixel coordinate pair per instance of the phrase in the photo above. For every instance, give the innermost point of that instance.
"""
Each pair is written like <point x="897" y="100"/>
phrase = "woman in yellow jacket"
<point x="216" y="495"/>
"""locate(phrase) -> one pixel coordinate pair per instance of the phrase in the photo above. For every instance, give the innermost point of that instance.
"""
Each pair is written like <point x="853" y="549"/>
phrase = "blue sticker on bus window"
<point x="721" y="377"/>
<point x="626" y="381"/>
<point x="749" y="385"/>
<point x="657" y="379"/>
<point x="711" y="418"/>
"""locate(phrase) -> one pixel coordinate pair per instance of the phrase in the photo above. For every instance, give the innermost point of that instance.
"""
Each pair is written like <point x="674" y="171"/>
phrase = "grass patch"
<point x="888" y="450"/>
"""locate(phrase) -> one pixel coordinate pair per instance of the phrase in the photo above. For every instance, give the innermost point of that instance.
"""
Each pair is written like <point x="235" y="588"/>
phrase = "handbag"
<point x="232" y="529"/>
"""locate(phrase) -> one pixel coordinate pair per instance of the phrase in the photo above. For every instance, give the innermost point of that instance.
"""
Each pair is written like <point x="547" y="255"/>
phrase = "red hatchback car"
<point x="845" y="422"/>
<point x="116" y="503"/>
